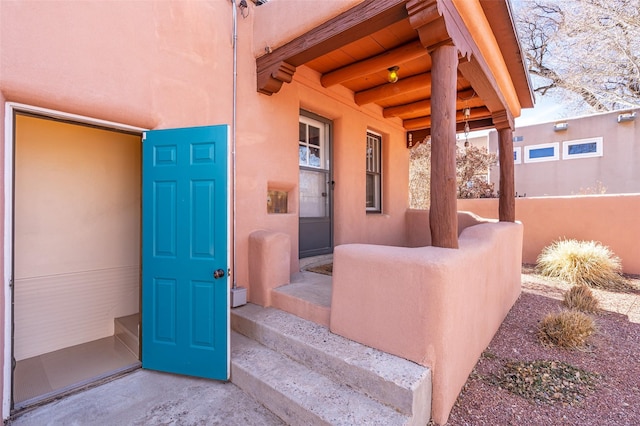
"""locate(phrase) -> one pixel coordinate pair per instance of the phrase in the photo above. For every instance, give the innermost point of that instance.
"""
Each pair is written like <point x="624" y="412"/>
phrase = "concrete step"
<point x="299" y="395"/>
<point x="308" y="296"/>
<point x="127" y="330"/>
<point x="394" y="382"/>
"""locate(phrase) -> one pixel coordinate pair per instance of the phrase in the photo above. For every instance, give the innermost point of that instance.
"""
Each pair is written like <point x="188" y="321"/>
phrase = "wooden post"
<point x="507" y="203"/>
<point x="443" y="214"/>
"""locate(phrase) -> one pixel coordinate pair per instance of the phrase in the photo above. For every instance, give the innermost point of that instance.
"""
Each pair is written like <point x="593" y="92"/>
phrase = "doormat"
<point x="326" y="269"/>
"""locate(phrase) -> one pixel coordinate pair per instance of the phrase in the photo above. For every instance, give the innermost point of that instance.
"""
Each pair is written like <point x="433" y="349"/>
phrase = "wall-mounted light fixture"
<point x="558" y="127"/>
<point x="393" y="74"/>
<point x="627" y="116"/>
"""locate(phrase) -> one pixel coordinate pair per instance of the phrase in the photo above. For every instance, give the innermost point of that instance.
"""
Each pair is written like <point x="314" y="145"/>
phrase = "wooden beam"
<point x="507" y="201"/>
<point x="404" y="53"/>
<point x="363" y="19"/>
<point x="426" y="19"/>
<point x="416" y="136"/>
<point x="424" y="122"/>
<point x="389" y="90"/>
<point x="443" y="214"/>
<point x="465" y="99"/>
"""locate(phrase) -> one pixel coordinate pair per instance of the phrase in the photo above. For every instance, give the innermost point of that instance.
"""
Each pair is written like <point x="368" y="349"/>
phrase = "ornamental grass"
<point x="582" y="263"/>
<point x="566" y="329"/>
<point x="581" y="298"/>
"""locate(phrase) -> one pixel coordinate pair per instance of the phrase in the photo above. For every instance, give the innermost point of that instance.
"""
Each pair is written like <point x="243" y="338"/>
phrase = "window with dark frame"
<point x="374" y="172"/>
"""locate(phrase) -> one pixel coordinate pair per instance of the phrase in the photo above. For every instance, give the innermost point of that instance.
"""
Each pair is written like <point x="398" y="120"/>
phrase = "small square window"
<point x="518" y="138"/>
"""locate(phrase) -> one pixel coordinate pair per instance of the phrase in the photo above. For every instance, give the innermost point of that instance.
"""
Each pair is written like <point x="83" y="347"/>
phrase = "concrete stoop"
<point x="306" y="375"/>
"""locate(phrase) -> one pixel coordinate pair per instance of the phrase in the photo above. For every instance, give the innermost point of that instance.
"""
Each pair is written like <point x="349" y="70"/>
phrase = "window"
<point x="582" y="148"/>
<point x="518" y="138"/>
<point x="310" y="149"/>
<point x="517" y="155"/>
<point x="542" y="152"/>
<point x="374" y="172"/>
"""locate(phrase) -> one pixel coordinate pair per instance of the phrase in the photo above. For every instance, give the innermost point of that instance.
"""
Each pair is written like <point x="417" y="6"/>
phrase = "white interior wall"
<point x="77" y="233"/>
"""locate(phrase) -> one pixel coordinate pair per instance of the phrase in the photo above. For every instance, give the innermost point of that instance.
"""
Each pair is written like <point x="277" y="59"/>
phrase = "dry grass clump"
<point x="581" y="298"/>
<point x="566" y="329"/>
<point x="582" y="263"/>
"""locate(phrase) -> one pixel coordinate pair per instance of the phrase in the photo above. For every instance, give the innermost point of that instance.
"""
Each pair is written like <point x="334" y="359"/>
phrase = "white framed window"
<point x="374" y="172"/>
<point x="311" y="150"/>
<point x="542" y="152"/>
<point x="517" y="155"/>
<point x="582" y="148"/>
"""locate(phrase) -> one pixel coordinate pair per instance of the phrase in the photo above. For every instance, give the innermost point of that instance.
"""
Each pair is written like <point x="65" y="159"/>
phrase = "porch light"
<point x="627" y="116"/>
<point x="558" y="127"/>
<point x="393" y="74"/>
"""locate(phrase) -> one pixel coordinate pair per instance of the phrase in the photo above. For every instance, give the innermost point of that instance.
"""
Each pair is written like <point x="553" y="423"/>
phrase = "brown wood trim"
<point x="374" y="64"/>
<point x="270" y="80"/>
<point x="415" y="109"/>
<point x="507" y="201"/>
<point x="361" y="20"/>
<point x="421" y="123"/>
<point x="443" y="215"/>
<point x="426" y="19"/>
<point x="389" y="90"/>
<point x="414" y="137"/>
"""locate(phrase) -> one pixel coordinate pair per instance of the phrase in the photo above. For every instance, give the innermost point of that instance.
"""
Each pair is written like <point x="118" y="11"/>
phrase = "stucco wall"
<point x="616" y="169"/>
<point x="278" y="22"/>
<point x="435" y="306"/>
<point x="170" y="64"/>
<point x="610" y="219"/>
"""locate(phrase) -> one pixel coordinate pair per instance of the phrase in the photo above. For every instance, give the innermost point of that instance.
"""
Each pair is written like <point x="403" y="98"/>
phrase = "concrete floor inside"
<point x="42" y="377"/>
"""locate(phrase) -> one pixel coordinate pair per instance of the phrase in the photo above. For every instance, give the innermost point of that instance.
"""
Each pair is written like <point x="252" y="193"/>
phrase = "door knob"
<point x="219" y="273"/>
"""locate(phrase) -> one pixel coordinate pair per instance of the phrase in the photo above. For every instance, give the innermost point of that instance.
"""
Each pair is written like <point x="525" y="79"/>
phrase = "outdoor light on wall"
<point x="393" y="74"/>
<point x="627" y="116"/>
<point x="558" y="127"/>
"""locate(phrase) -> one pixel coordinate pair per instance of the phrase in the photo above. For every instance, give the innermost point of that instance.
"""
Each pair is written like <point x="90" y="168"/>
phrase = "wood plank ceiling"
<point x="357" y="48"/>
<point x="362" y="66"/>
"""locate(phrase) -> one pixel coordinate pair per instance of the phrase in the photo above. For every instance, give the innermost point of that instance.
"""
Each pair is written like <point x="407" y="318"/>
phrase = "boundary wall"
<point x="610" y="219"/>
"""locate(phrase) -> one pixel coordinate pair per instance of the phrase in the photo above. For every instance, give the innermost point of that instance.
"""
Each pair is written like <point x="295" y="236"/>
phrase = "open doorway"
<point x="76" y="255"/>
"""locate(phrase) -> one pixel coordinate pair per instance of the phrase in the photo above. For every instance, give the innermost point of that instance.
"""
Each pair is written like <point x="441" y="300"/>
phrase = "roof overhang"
<point x="355" y="49"/>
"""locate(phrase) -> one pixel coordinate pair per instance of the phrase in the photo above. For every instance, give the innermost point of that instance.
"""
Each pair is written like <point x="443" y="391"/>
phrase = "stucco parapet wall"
<point x="279" y="21"/>
<point x="435" y="306"/>
<point x="269" y="264"/>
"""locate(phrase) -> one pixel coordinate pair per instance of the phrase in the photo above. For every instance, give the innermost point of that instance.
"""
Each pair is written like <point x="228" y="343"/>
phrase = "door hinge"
<point x="11" y="283"/>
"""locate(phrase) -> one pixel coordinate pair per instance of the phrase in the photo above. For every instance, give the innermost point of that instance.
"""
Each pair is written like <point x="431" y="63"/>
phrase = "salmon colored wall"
<point x="351" y="222"/>
<point x="170" y="64"/>
<point x="278" y="22"/>
<point x="434" y="306"/>
<point x="609" y="219"/>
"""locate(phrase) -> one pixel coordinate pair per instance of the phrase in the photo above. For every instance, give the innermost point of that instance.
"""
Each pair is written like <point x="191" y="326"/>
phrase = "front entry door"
<point x="316" y="187"/>
<point x="185" y="294"/>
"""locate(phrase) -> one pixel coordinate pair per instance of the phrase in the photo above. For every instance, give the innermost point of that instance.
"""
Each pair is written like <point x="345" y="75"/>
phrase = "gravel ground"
<point x="611" y="361"/>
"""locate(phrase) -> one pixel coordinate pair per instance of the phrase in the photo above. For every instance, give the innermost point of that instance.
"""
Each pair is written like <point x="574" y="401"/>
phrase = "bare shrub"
<point x="566" y="329"/>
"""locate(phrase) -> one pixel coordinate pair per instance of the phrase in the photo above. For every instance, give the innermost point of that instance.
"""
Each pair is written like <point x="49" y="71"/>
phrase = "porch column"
<point x="443" y="214"/>
<point x="507" y="202"/>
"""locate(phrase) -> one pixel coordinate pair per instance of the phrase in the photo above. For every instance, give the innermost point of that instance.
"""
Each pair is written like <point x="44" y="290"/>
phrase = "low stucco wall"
<point x="437" y="307"/>
<point x="418" y="233"/>
<point x="610" y="219"/>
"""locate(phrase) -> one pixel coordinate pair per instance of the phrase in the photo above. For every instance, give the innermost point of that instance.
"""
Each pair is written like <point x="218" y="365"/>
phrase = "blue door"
<point x="185" y="293"/>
